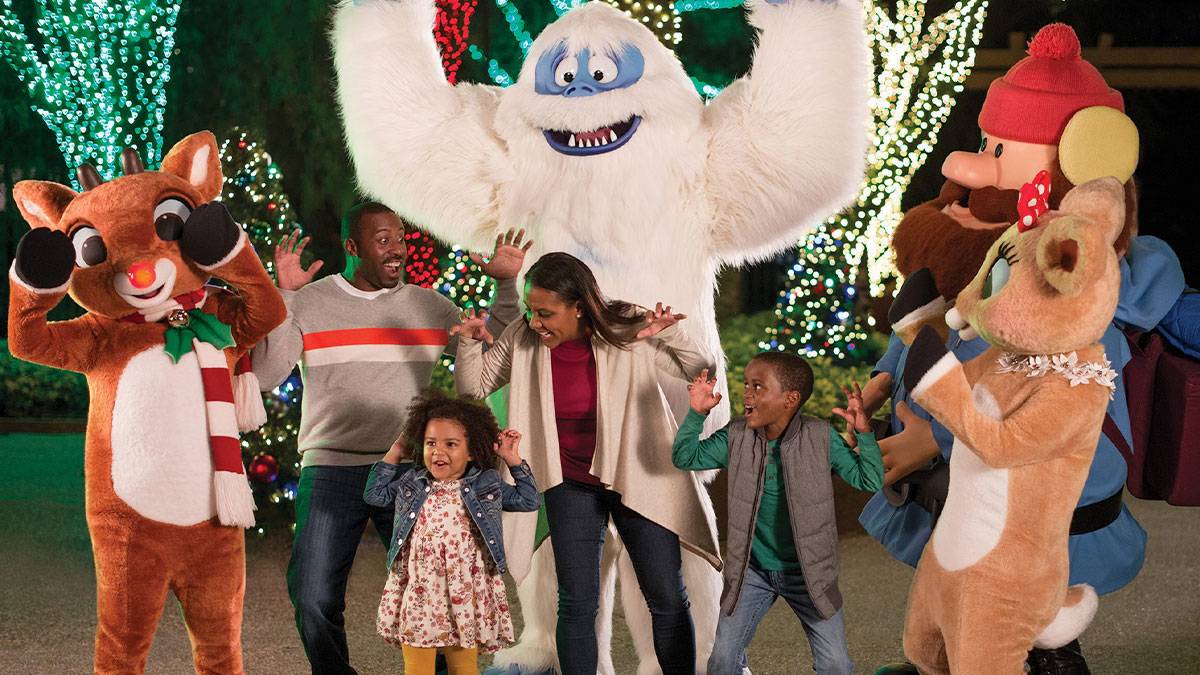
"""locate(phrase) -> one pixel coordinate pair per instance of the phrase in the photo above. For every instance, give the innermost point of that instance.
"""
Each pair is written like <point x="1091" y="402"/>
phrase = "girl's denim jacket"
<point x="483" y="491"/>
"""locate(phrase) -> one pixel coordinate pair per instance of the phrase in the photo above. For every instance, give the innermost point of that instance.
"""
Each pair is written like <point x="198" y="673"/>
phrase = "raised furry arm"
<point x="419" y="145"/>
<point x="789" y="140"/>
<point x="1046" y="425"/>
<point x="257" y="308"/>
<point x="276" y="355"/>
<point x="70" y="345"/>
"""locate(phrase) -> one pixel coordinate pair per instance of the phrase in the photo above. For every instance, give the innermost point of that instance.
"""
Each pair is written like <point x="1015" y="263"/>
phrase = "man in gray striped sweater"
<point x="366" y="345"/>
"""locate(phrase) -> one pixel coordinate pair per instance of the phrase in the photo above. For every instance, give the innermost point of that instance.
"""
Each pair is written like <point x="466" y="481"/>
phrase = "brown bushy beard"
<point x="927" y="237"/>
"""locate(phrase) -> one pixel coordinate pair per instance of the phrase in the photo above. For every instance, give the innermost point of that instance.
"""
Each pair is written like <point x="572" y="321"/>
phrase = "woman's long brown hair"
<point x="573" y="281"/>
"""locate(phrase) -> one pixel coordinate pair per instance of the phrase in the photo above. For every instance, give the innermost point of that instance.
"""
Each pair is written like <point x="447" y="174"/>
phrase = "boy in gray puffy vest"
<point x="781" y="535"/>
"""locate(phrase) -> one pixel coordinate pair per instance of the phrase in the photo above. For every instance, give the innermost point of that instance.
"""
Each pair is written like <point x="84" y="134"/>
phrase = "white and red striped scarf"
<point x="234" y="499"/>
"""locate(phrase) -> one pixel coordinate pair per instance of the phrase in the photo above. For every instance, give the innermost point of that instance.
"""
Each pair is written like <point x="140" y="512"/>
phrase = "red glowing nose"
<point x="141" y="274"/>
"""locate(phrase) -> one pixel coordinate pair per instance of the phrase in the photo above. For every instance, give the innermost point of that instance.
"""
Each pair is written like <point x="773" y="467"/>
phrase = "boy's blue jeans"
<point x="826" y="637"/>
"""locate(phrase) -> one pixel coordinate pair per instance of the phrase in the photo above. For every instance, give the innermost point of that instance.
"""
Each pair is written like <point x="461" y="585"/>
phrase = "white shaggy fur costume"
<point x="695" y="187"/>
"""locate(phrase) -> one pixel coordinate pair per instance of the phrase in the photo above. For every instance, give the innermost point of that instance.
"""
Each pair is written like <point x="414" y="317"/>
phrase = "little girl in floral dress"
<point x="445" y="588"/>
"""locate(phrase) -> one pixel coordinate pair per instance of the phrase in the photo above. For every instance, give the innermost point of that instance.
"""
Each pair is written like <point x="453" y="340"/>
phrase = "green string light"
<point x="99" y="77"/>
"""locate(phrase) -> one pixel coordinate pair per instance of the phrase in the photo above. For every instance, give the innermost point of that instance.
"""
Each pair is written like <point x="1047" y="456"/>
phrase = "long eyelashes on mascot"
<point x="999" y="273"/>
<point x="1007" y="252"/>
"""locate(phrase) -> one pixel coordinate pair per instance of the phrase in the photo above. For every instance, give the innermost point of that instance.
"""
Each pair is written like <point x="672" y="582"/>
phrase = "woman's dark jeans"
<point x="578" y="517"/>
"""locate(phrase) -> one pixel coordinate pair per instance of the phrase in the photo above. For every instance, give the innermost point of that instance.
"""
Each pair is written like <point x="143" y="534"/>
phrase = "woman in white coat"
<point x="584" y="374"/>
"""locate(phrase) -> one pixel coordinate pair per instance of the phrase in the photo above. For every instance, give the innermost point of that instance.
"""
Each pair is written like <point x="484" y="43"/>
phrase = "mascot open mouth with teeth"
<point x="603" y="149"/>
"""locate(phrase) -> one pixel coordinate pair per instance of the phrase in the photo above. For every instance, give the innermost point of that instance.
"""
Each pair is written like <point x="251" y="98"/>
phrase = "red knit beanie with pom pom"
<point x="1036" y="97"/>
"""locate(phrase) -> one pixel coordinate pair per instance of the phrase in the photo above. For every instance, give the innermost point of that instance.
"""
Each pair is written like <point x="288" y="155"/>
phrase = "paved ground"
<point x="47" y="602"/>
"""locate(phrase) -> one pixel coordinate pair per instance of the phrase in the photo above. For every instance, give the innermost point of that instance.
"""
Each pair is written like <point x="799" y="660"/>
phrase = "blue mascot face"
<point x="584" y="73"/>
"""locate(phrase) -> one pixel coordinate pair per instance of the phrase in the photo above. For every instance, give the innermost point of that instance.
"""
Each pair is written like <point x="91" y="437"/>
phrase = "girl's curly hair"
<point x="433" y="404"/>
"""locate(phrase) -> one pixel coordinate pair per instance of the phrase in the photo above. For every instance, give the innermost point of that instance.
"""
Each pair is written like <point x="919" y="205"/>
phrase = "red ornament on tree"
<point x="263" y="468"/>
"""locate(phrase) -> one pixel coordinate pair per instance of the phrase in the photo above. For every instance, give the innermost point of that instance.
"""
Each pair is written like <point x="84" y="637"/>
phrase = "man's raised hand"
<point x="289" y="274"/>
<point x="507" y="258"/>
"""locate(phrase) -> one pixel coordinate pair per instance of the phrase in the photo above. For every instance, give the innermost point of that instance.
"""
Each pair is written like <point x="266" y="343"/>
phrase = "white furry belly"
<point x="161" y="463"/>
<point x="977" y="504"/>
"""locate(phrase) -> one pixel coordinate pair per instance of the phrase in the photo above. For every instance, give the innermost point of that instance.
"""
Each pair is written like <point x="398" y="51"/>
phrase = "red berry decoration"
<point x="263" y="468"/>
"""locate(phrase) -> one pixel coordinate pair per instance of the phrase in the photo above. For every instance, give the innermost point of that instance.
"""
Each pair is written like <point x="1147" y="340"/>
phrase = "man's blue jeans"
<point x="330" y="518"/>
<point x="826" y="637"/>
<point x="578" y="517"/>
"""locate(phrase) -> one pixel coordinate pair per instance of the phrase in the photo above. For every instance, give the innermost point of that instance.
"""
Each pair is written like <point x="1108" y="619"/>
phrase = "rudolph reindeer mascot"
<point x="167" y="496"/>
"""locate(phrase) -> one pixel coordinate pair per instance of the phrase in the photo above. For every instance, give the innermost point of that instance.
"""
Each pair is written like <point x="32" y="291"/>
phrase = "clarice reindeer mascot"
<point x="1052" y="111"/>
<point x="167" y="497"/>
<point x="1026" y="415"/>
<point x="603" y="149"/>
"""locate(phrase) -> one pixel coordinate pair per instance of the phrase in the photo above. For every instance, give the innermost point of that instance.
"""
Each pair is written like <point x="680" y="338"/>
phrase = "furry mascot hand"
<point x="44" y="259"/>
<point x="210" y="234"/>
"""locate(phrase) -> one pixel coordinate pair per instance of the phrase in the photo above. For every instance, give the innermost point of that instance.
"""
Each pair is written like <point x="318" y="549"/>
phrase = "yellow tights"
<point x="459" y="660"/>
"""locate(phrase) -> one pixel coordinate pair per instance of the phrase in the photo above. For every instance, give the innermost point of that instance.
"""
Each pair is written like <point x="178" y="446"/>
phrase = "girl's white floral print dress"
<point x="444" y="589"/>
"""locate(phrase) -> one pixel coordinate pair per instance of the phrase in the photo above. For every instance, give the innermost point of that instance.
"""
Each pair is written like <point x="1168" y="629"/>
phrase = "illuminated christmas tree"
<point x="920" y="68"/>
<point x="254" y="194"/>
<point x="96" y="73"/>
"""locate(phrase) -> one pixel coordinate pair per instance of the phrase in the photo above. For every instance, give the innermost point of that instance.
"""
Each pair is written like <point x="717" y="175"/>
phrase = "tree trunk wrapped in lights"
<point x="97" y="74"/>
<point x="920" y="68"/>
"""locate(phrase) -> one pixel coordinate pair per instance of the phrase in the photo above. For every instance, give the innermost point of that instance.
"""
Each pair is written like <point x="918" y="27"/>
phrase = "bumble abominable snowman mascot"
<point x="603" y="149"/>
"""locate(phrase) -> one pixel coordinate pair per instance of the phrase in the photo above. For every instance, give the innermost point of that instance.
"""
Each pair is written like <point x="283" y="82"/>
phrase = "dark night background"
<point x="266" y="66"/>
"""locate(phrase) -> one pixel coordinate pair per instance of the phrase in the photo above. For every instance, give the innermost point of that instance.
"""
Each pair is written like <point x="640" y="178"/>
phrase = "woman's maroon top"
<point x="573" y="367"/>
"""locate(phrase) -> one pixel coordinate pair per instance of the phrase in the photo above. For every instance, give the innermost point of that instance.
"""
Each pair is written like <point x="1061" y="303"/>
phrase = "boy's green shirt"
<point x="773" y="547"/>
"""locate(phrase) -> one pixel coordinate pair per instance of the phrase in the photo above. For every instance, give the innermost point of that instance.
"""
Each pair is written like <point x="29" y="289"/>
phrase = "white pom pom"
<point x="247" y="402"/>
<point x="235" y="501"/>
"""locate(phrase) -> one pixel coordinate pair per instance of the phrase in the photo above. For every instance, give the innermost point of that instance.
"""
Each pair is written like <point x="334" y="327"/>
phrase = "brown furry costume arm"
<point x="258" y="307"/>
<point x="1056" y="419"/>
<point x="70" y="345"/>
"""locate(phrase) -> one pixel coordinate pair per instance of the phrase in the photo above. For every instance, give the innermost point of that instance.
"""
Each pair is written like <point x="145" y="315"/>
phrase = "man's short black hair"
<point x="792" y="371"/>
<point x="354" y="216"/>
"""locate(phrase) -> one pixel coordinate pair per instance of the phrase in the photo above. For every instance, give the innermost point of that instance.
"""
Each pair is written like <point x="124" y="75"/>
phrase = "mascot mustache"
<point x="989" y="204"/>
